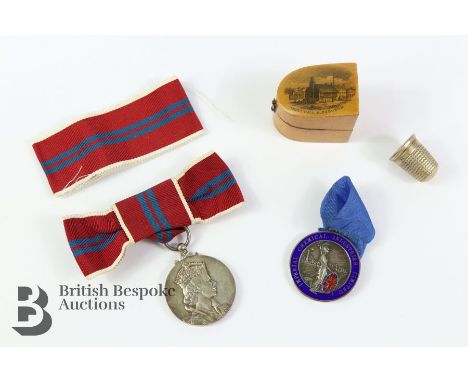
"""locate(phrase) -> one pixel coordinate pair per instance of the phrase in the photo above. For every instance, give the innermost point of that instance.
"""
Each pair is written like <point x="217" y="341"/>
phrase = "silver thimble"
<point x="413" y="157"/>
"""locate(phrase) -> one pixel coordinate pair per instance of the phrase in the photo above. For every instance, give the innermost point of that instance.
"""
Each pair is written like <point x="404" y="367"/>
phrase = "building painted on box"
<point x="326" y="92"/>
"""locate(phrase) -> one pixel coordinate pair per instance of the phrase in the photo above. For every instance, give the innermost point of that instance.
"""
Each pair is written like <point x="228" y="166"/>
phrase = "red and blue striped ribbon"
<point x="91" y="146"/>
<point x="205" y="189"/>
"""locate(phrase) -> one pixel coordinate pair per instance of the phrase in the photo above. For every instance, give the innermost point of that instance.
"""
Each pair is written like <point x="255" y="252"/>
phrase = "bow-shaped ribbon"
<point x="205" y="189"/>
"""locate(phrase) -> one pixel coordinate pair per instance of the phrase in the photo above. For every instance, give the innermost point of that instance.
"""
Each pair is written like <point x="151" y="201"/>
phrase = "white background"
<point x="412" y="289"/>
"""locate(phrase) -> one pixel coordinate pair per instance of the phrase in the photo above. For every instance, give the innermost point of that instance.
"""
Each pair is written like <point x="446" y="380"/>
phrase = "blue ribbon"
<point x="343" y="211"/>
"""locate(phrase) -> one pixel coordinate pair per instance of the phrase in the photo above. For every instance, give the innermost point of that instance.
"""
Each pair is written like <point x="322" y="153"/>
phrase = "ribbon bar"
<point x="204" y="190"/>
<point x="136" y="131"/>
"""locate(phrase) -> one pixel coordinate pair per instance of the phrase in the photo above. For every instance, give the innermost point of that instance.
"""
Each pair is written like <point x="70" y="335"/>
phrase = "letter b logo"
<point x="32" y="304"/>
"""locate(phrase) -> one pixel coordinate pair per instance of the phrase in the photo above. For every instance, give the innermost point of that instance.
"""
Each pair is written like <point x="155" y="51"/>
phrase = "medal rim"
<point x="315" y="296"/>
<point x="196" y="254"/>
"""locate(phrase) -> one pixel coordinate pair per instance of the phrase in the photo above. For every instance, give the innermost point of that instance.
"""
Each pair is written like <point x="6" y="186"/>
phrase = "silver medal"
<point x="204" y="288"/>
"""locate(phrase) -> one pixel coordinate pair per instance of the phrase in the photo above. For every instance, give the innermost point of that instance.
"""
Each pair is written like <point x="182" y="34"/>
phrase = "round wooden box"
<point x="318" y="103"/>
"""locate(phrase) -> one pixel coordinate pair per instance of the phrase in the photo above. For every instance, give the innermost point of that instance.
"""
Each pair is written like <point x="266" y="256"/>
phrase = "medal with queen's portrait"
<point x="325" y="265"/>
<point x="204" y="288"/>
